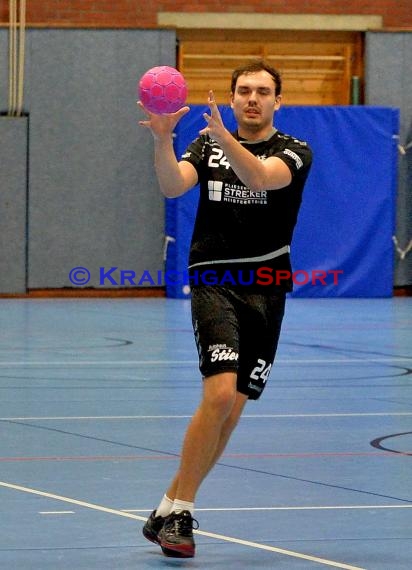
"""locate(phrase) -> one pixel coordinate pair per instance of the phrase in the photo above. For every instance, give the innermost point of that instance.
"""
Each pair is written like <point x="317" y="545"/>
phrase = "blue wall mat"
<point x="346" y="222"/>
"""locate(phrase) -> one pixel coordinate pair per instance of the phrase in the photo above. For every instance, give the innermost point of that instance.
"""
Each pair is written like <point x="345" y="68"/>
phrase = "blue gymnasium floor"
<point x="95" y="398"/>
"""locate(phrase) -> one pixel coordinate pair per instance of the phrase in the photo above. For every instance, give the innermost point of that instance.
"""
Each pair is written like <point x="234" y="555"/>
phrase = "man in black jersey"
<point x="251" y="184"/>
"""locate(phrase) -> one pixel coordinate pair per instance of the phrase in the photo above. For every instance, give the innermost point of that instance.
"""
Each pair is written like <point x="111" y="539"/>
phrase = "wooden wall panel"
<point x="317" y="67"/>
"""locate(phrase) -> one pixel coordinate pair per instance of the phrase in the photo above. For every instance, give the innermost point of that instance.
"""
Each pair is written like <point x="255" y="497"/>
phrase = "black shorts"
<point x="237" y="330"/>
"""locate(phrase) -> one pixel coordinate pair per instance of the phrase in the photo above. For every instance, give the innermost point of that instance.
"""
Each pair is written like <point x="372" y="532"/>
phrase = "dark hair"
<point x="253" y="67"/>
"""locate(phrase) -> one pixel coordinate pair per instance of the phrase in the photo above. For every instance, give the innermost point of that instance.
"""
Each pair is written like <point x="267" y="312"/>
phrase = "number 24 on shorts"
<point x="261" y="371"/>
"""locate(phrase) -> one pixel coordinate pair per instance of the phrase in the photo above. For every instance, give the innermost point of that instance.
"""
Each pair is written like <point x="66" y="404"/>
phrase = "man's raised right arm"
<point x="175" y="178"/>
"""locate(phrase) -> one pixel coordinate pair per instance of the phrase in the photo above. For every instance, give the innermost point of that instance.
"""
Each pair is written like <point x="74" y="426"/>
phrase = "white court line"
<point x="314" y="508"/>
<point x="101" y="363"/>
<point x="200" y="532"/>
<point x="179" y="417"/>
<point x="56" y="512"/>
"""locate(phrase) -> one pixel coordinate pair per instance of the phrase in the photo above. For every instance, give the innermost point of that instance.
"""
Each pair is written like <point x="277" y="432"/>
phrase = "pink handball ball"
<point x="162" y="90"/>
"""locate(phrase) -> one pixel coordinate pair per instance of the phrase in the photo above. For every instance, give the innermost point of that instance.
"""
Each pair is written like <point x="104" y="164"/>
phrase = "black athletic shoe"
<point x="176" y="536"/>
<point x="152" y="527"/>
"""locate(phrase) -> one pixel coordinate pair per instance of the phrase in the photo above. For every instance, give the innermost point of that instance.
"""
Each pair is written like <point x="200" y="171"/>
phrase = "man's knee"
<point x="220" y="392"/>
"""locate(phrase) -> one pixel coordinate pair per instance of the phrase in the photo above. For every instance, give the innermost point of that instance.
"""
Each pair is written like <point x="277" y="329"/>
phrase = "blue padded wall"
<point x="346" y="220"/>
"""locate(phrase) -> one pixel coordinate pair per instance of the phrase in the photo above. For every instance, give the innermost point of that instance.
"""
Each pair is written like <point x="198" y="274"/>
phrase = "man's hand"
<point x="215" y="127"/>
<point x="162" y="126"/>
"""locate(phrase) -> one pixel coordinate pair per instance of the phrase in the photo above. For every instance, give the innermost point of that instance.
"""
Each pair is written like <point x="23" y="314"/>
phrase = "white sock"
<point x="165" y="507"/>
<point x="179" y="506"/>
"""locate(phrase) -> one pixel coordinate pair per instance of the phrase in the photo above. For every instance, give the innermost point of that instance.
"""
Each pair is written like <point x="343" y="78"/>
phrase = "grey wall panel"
<point x="94" y="200"/>
<point x="389" y="82"/>
<point x="389" y="72"/>
<point x="13" y="191"/>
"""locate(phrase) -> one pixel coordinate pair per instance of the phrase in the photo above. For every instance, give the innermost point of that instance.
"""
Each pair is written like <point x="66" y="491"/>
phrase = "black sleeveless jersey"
<point x="240" y="234"/>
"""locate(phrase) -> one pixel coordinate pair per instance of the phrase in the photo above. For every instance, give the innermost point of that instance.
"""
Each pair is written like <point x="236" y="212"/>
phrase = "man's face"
<point x="254" y="102"/>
